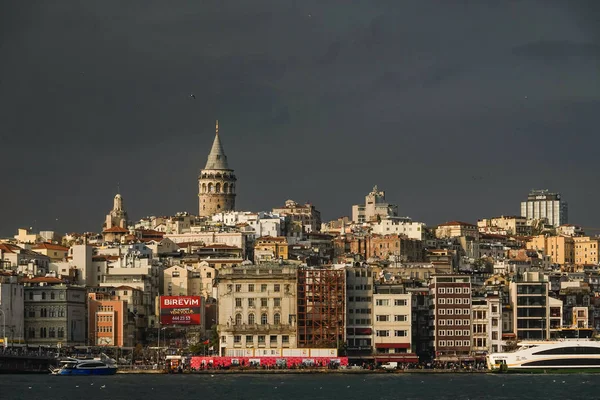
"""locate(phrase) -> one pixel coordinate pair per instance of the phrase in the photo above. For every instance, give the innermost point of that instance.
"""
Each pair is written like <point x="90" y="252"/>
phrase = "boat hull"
<point x="97" y="371"/>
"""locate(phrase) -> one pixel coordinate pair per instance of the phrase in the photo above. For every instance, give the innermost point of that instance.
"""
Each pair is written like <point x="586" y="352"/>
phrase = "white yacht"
<point x="575" y="353"/>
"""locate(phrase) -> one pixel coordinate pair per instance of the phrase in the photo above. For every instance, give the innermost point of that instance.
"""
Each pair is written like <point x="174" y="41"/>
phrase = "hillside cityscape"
<point x="374" y="286"/>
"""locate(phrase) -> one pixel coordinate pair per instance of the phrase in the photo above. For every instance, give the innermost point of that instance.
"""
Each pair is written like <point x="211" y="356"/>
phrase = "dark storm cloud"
<point x="318" y="100"/>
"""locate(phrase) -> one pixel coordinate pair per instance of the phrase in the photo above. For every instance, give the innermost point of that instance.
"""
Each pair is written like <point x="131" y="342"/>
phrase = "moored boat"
<point x="74" y="366"/>
<point x="563" y="355"/>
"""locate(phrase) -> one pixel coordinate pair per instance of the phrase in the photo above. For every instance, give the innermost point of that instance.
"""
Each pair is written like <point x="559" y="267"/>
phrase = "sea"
<point x="290" y="387"/>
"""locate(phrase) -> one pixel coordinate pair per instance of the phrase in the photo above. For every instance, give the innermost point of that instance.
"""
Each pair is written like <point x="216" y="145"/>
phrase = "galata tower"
<point x="216" y="183"/>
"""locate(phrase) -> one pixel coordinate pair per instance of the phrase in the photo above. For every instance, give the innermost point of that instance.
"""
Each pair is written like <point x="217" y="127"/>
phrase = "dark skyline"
<point x="456" y="109"/>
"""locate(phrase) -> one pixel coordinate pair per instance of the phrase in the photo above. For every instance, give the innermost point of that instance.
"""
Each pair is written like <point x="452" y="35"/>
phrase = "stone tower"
<point x="117" y="216"/>
<point x="216" y="183"/>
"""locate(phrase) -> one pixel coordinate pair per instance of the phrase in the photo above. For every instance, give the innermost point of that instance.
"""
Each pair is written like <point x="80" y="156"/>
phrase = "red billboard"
<point x="180" y="310"/>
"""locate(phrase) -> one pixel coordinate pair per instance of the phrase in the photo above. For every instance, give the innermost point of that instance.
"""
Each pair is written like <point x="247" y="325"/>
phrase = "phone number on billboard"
<point x="181" y="318"/>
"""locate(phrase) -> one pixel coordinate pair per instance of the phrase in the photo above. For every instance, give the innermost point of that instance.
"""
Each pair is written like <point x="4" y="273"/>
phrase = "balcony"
<point x="258" y="328"/>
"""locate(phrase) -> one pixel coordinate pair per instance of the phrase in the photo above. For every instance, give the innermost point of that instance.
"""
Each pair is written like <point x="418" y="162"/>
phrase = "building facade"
<point x="541" y="204"/>
<point x="451" y="301"/>
<point x="54" y="312"/>
<point x="256" y="308"/>
<point x="12" y="310"/>
<point x="375" y="208"/>
<point x="216" y="183"/>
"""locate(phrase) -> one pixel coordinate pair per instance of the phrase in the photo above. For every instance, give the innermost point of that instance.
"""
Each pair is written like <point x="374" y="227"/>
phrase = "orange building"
<point x="108" y="322"/>
<point x="560" y="249"/>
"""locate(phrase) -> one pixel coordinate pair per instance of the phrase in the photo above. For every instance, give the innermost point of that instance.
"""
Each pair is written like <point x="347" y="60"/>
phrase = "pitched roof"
<point x="217" y="158"/>
<point x="454" y="223"/>
<point x="9" y="248"/>
<point x="115" y="229"/>
<point x="50" y="246"/>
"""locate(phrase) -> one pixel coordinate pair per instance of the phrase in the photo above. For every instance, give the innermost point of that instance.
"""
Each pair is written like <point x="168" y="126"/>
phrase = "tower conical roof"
<point x="217" y="158"/>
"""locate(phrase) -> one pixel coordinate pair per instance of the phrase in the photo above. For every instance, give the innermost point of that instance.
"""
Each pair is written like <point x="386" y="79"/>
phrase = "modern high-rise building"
<point x="543" y="204"/>
<point x="216" y="183"/>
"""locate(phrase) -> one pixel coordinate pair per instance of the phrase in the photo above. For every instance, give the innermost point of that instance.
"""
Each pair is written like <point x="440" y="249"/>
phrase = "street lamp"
<point x="3" y="328"/>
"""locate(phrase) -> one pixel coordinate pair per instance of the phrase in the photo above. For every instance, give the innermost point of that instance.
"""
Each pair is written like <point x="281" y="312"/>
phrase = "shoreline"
<point x="300" y="371"/>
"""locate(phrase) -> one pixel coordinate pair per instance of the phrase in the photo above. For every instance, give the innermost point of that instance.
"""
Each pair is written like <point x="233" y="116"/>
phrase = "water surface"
<point x="291" y="387"/>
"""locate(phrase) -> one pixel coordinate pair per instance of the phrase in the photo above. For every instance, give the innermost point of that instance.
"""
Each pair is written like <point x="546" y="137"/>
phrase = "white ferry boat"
<point x="557" y="354"/>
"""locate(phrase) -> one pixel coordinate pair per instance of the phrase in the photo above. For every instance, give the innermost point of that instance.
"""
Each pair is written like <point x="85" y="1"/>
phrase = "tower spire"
<point x="217" y="158"/>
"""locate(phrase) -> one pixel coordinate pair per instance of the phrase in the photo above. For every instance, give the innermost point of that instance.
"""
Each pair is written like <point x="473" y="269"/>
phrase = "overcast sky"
<point x="455" y="108"/>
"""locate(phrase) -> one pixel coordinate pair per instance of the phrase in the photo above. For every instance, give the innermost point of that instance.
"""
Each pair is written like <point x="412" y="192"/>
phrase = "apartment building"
<point x="451" y="308"/>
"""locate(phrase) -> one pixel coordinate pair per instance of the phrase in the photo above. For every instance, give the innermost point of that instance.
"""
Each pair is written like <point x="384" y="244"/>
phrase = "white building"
<point x="12" y="311"/>
<point x="541" y="204"/>
<point x="400" y="226"/>
<point x="375" y="206"/>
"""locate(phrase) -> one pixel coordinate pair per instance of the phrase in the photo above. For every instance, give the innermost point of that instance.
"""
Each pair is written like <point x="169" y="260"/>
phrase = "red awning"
<point x="406" y="358"/>
<point x="392" y="345"/>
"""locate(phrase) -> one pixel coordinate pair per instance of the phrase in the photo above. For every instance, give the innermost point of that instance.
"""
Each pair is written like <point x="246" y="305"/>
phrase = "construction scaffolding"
<point x="321" y="307"/>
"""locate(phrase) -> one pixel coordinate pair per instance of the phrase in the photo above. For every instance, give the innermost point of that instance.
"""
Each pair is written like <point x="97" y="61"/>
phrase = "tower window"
<point x="218" y="206"/>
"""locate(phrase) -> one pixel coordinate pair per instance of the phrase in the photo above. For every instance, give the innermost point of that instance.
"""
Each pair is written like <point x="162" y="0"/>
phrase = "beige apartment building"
<point x="560" y="249"/>
<point x="456" y="229"/>
<point x="392" y="321"/>
<point x="505" y="225"/>
<point x="586" y="250"/>
<point x="257" y="308"/>
<point x="189" y="280"/>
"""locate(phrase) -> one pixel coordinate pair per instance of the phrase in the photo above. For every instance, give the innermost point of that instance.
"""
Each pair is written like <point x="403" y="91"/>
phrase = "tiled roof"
<point x="50" y="246"/>
<point x="125" y="287"/>
<point x="9" y="248"/>
<point x="115" y="229"/>
<point x="454" y="223"/>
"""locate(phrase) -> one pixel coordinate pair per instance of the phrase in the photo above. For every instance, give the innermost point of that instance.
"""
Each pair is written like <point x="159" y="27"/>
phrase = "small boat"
<point x="74" y="366"/>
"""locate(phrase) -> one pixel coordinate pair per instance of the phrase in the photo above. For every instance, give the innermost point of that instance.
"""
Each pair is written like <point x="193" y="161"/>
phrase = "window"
<point x="277" y="302"/>
<point x="175" y="274"/>
<point x="442" y="333"/>
<point x="285" y="339"/>
<point x="441" y="290"/>
<point x="273" y="340"/>
<point x="382" y="318"/>
<point x="238" y="302"/>
<point x="238" y="287"/>
<point x="238" y="319"/>
<point x="400" y="333"/>
<point x="263" y="288"/>
<point x="61" y="332"/>
<point x="237" y="339"/>
<point x="264" y="319"/>
<point x="30" y="295"/>
<point x="451" y="300"/>
<point x="441" y="311"/>
<point x="52" y="297"/>
<point x="251" y="320"/>
<point x="442" y="322"/>
<point x="250" y="302"/>
<point x="249" y="340"/>
<point x="277" y="319"/>
<point x="261" y="339"/>
<point x="43" y="295"/>
<point x="450" y="290"/>
<point x="450" y="343"/>
<point x="442" y="343"/>
<point x="61" y="312"/>
<point x="264" y="302"/>
<point x="382" y="302"/>
<point x="31" y="333"/>
<point x="251" y="287"/>
<point x="43" y="332"/>
<point x="31" y="313"/>
<point x="400" y="302"/>
<point x="383" y="333"/>
<point x="400" y="318"/>
<point x="277" y="287"/>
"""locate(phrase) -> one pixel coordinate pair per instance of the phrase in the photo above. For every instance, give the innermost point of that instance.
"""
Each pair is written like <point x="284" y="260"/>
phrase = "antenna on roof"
<point x="217" y="127"/>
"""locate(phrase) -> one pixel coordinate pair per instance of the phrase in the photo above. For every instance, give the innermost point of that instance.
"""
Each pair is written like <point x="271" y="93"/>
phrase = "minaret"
<point x="216" y="183"/>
